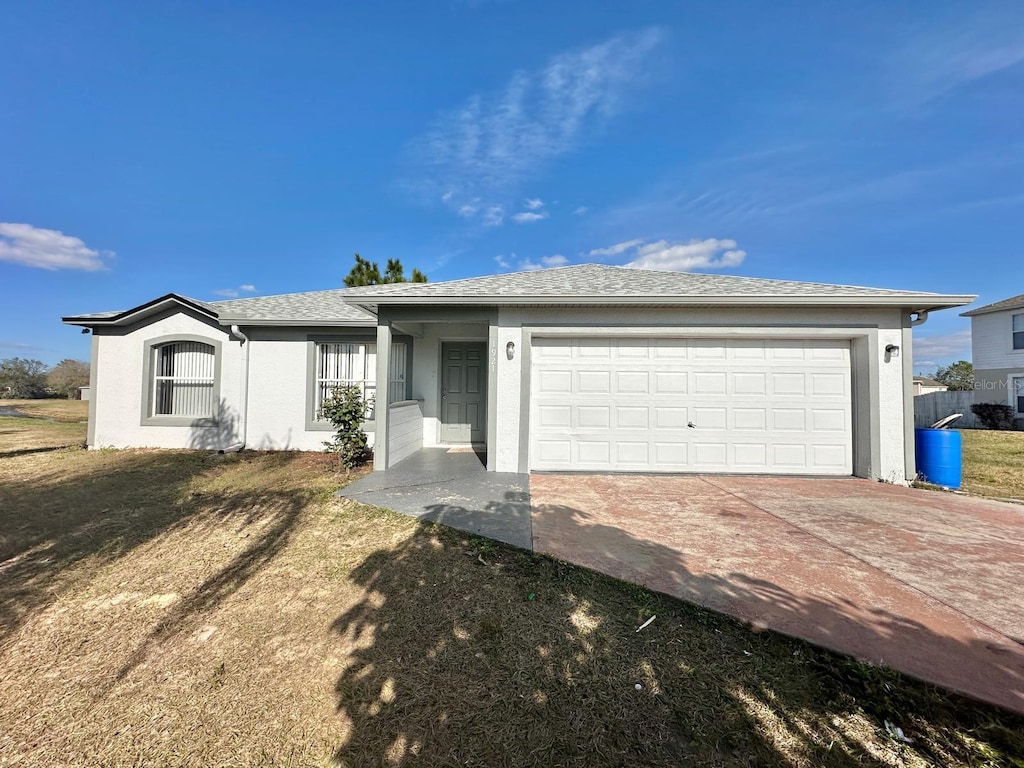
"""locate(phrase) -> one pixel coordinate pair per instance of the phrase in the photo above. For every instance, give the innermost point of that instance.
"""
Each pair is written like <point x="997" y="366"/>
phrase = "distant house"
<point x="997" y="348"/>
<point x="924" y="386"/>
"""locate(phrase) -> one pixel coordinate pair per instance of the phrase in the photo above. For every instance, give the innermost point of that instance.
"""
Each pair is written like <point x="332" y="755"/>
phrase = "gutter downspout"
<point x="244" y="426"/>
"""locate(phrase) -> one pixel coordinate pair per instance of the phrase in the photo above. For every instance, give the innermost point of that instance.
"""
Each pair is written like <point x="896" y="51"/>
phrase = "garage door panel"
<point x="750" y="455"/>
<point x="594" y="416"/>
<point x="670" y="382"/>
<point x="632" y="453"/>
<point x="754" y="419"/>
<point x="749" y="384"/>
<point x="554" y="382"/>
<point x="632" y="417"/>
<point x="557" y="416"/>
<point x="593" y="382"/>
<point x="789" y="419"/>
<point x="632" y="383"/>
<point x="670" y="417"/>
<point x="757" y="405"/>
<point x="826" y="384"/>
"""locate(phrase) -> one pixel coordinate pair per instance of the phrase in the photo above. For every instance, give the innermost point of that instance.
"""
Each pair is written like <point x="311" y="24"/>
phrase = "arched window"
<point x="182" y="379"/>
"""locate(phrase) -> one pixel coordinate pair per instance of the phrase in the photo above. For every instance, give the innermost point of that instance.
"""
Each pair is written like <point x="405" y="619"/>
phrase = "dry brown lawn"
<point x="180" y="608"/>
<point x="994" y="463"/>
<point x="51" y="408"/>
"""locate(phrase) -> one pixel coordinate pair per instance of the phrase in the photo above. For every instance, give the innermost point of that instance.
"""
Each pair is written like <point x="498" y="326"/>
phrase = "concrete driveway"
<point x="926" y="582"/>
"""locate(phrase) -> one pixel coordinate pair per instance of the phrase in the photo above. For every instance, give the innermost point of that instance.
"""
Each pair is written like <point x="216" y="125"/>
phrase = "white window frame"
<point x="152" y="376"/>
<point x="1017" y="395"/>
<point x="355" y="365"/>
<point x="360" y="370"/>
<point x="1017" y="332"/>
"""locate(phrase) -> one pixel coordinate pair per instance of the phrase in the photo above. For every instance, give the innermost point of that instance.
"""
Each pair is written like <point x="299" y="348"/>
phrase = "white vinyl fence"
<point x="935" y="405"/>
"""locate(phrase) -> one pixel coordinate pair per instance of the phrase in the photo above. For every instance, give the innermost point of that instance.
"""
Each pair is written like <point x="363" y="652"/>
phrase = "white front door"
<point x="775" y="406"/>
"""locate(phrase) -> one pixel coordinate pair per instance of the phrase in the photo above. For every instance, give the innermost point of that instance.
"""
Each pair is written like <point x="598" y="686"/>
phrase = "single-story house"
<point x="583" y="368"/>
<point x="925" y="386"/>
<point x="997" y="352"/>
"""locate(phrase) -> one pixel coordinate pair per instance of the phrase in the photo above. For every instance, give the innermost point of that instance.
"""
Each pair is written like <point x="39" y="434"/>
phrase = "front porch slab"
<point x="452" y="486"/>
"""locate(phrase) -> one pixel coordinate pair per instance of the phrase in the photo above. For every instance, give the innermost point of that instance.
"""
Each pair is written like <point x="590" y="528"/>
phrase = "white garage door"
<point x="779" y="406"/>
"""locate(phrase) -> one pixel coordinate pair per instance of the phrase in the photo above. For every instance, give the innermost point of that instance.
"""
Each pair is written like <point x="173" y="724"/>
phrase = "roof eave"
<point x="914" y="302"/>
<point x="368" y="322"/>
<point x="992" y="311"/>
<point x="135" y="313"/>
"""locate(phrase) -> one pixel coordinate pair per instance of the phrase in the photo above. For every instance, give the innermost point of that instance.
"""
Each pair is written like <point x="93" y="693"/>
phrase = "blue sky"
<point x="220" y="149"/>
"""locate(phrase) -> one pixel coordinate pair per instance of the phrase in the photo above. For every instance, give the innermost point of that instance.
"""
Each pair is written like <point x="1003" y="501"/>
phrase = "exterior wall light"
<point x="891" y="350"/>
<point x="510" y="350"/>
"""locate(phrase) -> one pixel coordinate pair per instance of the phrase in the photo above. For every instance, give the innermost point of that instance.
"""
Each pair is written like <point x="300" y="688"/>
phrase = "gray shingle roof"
<point x="312" y="307"/>
<point x="599" y="281"/>
<point x="580" y="284"/>
<point x="1014" y="302"/>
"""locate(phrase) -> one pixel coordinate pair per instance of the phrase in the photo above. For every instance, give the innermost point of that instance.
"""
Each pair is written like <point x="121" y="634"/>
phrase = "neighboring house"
<point x="584" y="368"/>
<point x="924" y="386"/>
<point x="997" y="352"/>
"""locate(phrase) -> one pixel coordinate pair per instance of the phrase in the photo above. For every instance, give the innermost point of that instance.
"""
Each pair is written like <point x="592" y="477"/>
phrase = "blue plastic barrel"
<point x="939" y="456"/>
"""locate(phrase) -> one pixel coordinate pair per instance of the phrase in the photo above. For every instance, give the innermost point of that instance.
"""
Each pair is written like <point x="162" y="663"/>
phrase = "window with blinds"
<point x="1018" y="331"/>
<point x="355" y="364"/>
<point x="183" y="379"/>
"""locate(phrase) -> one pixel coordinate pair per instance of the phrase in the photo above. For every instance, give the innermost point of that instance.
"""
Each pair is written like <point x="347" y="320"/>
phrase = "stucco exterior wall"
<point x="992" y="342"/>
<point x="279" y="388"/>
<point x="119" y="390"/>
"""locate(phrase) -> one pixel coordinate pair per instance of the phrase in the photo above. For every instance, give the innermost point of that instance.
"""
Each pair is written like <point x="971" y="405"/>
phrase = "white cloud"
<point x="580" y="211"/>
<point x="234" y="293"/>
<point x="951" y="56"/>
<point x="503" y="262"/>
<point x="545" y="262"/>
<point x="48" y="249"/>
<point x="527" y="217"/>
<point x="711" y="253"/>
<point x="467" y="210"/>
<point x="493" y="216"/>
<point x="494" y="140"/>
<point x="615" y="250"/>
<point x="944" y="346"/>
<point x="533" y="203"/>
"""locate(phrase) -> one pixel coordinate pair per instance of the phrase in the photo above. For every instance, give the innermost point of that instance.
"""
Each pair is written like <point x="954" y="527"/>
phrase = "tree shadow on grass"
<point x="92" y="512"/>
<point x="465" y="651"/>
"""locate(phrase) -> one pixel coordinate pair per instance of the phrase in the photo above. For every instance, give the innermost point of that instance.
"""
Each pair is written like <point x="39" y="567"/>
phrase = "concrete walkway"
<point x="922" y="581"/>
<point x="452" y="486"/>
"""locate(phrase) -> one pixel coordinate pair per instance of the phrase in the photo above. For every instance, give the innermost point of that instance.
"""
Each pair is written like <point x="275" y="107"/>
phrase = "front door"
<point x="463" y="392"/>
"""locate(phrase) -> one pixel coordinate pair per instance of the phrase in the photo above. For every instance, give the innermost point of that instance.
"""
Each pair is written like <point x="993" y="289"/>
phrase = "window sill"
<point x="180" y="421"/>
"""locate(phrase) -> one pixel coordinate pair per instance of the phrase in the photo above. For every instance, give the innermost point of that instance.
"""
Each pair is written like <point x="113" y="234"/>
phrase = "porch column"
<point x="380" y="410"/>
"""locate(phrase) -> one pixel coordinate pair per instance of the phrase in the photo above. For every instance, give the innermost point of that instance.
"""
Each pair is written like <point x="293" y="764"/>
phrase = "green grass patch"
<point x="993" y="463"/>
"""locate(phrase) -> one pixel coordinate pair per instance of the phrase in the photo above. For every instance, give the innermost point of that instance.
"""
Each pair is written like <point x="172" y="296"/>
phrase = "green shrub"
<point x="346" y="410"/>
<point x="994" y="415"/>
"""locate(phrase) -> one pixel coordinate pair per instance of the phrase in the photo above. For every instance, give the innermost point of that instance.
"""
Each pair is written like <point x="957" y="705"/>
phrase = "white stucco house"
<point x="925" y="386"/>
<point x="997" y="352"/>
<point x="583" y="368"/>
